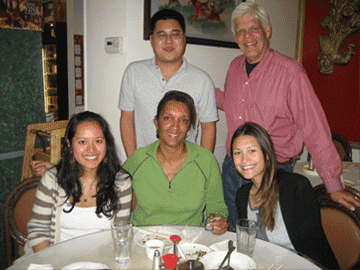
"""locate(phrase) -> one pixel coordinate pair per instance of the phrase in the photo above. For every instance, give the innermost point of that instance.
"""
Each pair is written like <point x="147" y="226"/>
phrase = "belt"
<point x="290" y="161"/>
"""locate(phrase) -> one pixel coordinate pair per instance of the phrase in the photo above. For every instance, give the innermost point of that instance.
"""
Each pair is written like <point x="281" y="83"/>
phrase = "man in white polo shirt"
<point x="145" y="83"/>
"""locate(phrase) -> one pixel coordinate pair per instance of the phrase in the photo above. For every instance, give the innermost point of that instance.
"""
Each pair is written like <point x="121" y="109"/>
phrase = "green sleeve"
<point x="214" y="192"/>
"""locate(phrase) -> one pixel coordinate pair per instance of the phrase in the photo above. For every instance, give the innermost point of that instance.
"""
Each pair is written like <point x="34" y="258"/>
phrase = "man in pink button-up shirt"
<point x="268" y="88"/>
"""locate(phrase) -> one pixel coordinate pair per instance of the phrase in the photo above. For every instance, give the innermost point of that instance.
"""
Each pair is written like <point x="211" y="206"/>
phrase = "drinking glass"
<point x="245" y="236"/>
<point x="122" y="236"/>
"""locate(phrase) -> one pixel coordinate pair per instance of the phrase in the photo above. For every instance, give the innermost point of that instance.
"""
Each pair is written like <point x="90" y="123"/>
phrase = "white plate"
<point x="162" y="233"/>
<point x="221" y="246"/>
<point x="190" y="250"/>
<point x="237" y="260"/>
<point x="85" y="265"/>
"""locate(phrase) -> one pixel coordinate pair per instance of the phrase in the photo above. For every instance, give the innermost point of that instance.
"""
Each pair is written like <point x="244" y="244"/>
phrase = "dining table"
<point x="350" y="174"/>
<point x="99" y="248"/>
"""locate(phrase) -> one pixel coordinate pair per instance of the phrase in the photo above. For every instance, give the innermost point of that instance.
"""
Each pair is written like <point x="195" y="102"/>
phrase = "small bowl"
<point x="237" y="260"/>
<point x="151" y="246"/>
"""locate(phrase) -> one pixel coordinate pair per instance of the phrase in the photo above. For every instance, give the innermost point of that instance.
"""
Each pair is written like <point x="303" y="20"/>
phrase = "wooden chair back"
<point x="54" y="131"/>
<point x="17" y="212"/>
<point x="342" y="145"/>
<point x="342" y="228"/>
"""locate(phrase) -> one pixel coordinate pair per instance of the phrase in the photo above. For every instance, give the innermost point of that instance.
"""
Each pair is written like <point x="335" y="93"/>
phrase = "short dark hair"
<point x="167" y="14"/>
<point x="179" y="97"/>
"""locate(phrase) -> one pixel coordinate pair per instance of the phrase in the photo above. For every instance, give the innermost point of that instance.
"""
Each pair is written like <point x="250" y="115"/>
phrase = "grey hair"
<point x="254" y="10"/>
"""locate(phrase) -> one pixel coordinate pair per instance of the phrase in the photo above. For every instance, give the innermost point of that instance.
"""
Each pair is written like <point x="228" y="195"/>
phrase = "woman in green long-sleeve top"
<point x="174" y="180"/>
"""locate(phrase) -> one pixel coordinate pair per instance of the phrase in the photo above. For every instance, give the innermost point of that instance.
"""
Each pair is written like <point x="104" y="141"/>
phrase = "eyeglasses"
<point x="162" y="36"/>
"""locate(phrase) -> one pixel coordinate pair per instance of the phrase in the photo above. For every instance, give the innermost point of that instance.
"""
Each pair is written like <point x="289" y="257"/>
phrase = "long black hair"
<point x="69" y="170"/>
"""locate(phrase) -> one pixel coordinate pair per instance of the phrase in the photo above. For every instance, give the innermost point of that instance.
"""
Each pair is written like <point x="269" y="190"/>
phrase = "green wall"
<point x="22" y="103"/>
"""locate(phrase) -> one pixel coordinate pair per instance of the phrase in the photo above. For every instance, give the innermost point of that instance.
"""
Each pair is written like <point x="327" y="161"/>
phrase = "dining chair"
<point x="54" y="131"/>
<point x="342" y="228"/>
<point x="17" y="211"/>
<point x="342" y="145"/>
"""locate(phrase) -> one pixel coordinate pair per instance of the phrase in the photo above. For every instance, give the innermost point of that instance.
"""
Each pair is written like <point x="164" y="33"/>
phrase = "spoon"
<point x="231" y="249"/>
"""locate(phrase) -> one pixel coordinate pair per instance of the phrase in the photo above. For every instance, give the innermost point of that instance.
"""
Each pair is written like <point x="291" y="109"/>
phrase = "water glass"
<point x="245" y="236"/>
<point x="122" y="236"/>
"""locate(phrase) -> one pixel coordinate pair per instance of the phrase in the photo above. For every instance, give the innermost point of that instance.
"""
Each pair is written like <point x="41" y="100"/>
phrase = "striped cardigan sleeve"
<point x="40" y="226"/>
<point x="124" y="189"/>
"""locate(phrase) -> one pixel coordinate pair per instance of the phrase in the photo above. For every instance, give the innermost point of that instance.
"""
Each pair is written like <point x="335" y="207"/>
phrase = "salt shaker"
<point x="157" y="260"/>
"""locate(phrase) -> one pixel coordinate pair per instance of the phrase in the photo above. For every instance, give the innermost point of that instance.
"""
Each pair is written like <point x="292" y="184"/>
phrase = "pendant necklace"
<point x="86" y="198"/>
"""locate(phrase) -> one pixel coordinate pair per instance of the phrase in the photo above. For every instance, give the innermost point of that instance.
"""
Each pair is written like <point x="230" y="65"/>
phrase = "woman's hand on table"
<point x="220" y="225"/>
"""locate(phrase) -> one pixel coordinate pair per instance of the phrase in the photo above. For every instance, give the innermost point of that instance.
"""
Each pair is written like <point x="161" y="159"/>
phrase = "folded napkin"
<point x="221" y="246"/>
<point x="190" y="235"/>
<point x="85" y="265"/>
<point x="34" y="266"/>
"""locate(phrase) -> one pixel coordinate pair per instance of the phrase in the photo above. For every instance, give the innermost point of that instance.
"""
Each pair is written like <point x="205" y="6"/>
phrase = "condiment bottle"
<point x="170" y="261"/>
<point x="175" y="239"/>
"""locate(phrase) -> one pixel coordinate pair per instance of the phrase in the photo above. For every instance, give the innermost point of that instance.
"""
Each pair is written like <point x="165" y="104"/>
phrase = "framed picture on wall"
<point x="207" y="22"/>
<point x="22" y="14"/>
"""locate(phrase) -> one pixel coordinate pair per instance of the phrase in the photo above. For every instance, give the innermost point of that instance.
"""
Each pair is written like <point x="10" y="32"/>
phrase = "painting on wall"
<point x="338" y="87"/>
<point x="21" y="14"/>
<point x="207" y="22"/>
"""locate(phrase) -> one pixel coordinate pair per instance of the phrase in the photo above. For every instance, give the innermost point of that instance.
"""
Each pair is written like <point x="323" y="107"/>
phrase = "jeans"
<point x="232" y="181"/>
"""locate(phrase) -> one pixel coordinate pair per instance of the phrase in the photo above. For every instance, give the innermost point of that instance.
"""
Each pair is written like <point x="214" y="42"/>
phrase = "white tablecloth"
<point x="98" y="247"/>
<point x="350" y="175"/>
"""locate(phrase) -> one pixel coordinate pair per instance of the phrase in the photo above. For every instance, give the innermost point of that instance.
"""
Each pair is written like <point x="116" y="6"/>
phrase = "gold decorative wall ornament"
<point x="331" y="44"/>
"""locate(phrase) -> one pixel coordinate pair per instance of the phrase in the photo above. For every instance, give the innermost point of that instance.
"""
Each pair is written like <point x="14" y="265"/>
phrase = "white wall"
<point x="124" y="18"/>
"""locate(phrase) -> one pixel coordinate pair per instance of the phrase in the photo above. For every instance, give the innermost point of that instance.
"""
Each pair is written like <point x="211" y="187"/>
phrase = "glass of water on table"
<point x="245" y="236"/>
<point x="122" y="235"/>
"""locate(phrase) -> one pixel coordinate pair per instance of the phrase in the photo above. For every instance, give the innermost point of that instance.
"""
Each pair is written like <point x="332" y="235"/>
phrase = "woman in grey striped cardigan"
<point x="86" y="191"/>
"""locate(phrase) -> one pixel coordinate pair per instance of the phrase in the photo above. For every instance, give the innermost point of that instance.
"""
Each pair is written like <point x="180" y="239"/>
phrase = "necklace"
<point x="86" y="196"/>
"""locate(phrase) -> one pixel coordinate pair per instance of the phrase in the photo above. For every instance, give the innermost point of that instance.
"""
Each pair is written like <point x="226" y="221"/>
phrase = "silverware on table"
<point x="230" y="250"/>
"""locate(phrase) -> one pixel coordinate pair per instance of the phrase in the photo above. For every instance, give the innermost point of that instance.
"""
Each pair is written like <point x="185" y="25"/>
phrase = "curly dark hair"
<point x="179" y="97"/>
<point x="69" y="170"/>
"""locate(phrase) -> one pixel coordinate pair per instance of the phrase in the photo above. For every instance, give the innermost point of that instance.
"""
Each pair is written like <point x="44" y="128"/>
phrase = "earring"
<point x="105" y="160"/>
<point x="72" y="159"/>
